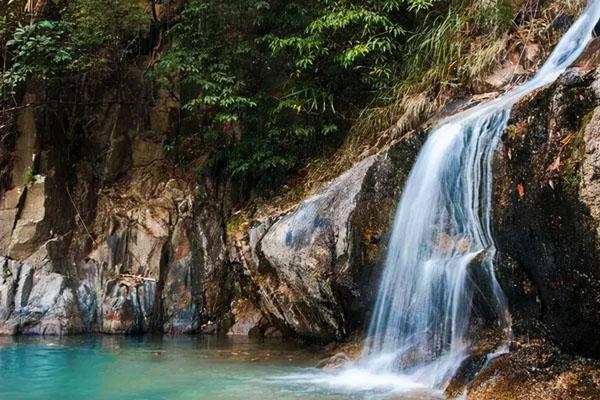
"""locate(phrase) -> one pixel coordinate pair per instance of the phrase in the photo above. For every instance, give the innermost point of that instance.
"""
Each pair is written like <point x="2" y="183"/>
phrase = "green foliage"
<point x="257" y="158"/>
<point x="266" y="86"/>
<point x="350" y="35"/>
<point x="493" y="16"/>
<point x="11" y="16"/>
<point x="37" y="50"/>
<point x="204" y="62"/>
<point x="236" y="77"/>
<point x="104" y="32"/>
<point x="217" y="60"/>
<point x="269" y="85"/>
<point x="440" y="48"/>
<point x="437" y="44"/>
<point x="343" y="56"/>
<point x="80" y="36"/>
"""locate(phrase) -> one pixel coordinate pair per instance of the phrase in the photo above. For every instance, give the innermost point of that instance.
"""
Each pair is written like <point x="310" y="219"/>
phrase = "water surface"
<point x="165" y="368"/>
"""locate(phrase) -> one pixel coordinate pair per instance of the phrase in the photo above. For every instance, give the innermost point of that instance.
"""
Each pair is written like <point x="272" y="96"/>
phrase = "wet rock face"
<point x="315" y="269"/>
<point x="546" y="214"/>
<point x="182" y="288"/>
<point x="590" y="167"/>
<point x="211" y="256"/>
<point x="111" y="240"/>
<point x="141" y="277"/>
<point x="147" y="272"/>
<point x="128" y="307"/>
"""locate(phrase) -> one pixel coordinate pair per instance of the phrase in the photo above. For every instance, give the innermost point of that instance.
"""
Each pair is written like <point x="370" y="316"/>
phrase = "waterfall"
<point x="421" y="322"/>
<point x="420" y="332"/>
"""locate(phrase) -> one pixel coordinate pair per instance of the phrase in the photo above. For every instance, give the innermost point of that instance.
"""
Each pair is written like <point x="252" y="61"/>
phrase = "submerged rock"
<point x="338" y="360"/>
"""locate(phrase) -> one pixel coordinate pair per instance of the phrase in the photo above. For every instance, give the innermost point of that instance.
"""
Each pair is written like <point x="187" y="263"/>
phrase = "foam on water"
<point x="441" y="239"/>
<point x="359" y="382"/>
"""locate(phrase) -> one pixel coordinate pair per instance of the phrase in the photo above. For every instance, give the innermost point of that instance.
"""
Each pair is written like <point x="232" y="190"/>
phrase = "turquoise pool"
<point x="174" y="368"/>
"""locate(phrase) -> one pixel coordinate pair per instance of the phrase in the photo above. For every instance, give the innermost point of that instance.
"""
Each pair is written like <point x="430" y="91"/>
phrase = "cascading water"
<point x="441" y="229"/>
<point x="419" y="333"/>
<point x="420" y="325"/>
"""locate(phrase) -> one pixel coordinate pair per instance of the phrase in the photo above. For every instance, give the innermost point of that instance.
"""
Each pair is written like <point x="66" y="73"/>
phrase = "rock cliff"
<point x="101" y="233"/>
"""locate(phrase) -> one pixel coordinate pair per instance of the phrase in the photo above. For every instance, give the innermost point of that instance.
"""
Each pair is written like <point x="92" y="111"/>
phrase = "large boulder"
<point x="315" y="268"/>
<point x="209" y="255"/>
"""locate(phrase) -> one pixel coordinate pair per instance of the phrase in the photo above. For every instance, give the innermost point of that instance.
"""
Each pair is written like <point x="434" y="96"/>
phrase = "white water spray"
<point x="419" y="334"/>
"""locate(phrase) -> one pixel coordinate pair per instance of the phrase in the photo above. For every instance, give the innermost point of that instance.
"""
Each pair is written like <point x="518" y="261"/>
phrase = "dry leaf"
<point x="521" y="190"/>
<point x="566" y="139"/>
